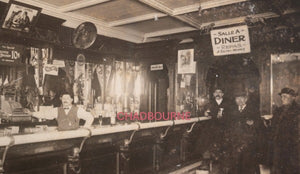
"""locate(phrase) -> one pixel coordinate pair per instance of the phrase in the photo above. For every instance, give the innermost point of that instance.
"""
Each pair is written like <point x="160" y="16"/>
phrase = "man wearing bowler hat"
<point x="218" y="109"/>
<point x="285" y="130"/>
<point x="242" y="131"/>
<point x="219" y="105"/>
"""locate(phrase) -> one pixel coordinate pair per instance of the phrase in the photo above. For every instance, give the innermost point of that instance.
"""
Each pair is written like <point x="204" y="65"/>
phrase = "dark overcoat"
<point x="285" y="134"/>
<point x="243" y="140"/>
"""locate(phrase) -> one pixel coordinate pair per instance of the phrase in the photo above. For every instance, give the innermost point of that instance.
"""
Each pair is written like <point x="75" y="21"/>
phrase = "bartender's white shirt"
<point x="51" y="113"/>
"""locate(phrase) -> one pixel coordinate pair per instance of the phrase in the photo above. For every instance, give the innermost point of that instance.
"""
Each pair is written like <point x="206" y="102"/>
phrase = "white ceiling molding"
<point x="191" y="21"/>
<point x="173" y="12"/>
<point x="84" y="18"/>
<point x="136" y="19"/>
<point x="187" y="40"/>
<point x="204" y="5"/>
<point x="73" y="20"/>
<point x="169" y="31"/>
<point x="186" y="9"/>
<point x="218" y="3"/>
<point x="161" y="7"/>
<point x="158" y="6"/>
<point x="239" y="20"/>
<point x="80" y="4"/>
<point x="151" y="39"/>
<point x="217" y="24"/>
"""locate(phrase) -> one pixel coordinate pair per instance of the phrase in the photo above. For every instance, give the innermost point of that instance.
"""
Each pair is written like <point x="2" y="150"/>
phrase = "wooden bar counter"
<point x="128" y="148"/>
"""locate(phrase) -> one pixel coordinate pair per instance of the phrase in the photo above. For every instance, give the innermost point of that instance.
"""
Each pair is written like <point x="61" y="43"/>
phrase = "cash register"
<point x="12" y="111"/>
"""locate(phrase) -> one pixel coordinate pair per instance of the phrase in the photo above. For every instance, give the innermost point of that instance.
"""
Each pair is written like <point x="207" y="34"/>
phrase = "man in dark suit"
<point x="218" y="109"/>
<point x="242" y="132"/>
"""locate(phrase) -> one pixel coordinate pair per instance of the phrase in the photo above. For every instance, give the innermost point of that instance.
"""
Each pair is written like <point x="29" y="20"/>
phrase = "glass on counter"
<point x="106" y="112"/>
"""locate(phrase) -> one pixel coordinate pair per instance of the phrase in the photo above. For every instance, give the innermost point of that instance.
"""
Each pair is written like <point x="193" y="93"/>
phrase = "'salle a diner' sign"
<point x="234" y="40"/>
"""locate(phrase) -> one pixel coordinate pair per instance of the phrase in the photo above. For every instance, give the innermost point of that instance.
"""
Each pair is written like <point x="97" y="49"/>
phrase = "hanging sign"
<point x="234" y="40"/>
<point x="59" y="63"/>
<point x="10" y="53"/>
<point x="50" y="69"/>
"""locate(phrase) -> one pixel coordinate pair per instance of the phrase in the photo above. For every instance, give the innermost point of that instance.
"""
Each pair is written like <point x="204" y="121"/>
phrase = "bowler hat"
<point x="288" y="91"/>
<point x="218" y="88"/>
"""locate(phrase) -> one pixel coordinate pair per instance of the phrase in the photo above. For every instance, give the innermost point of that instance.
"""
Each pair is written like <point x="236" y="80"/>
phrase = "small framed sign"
<point x="11" y="54"/>
<point x="156" y="67"/>
<point x="20" y="17"/>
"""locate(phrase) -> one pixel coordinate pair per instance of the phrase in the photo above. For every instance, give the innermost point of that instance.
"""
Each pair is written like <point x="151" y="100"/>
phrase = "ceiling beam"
<point x="240" y="20"/>
<point x="173" y="12"/>
<point x="158" y="6"/>
<point x="218" y="3"/>
<point x="162" y="8"/>
<point x="136" y="19"/>
<point x="169" y="31"/>
<point x="178" y="13"/>
<point x="220" y="23"/>
<point x="204" y="5"/>
<point x="80" y="4"/>
<point x="186" y="9"/>
<point x="189" y="20"/>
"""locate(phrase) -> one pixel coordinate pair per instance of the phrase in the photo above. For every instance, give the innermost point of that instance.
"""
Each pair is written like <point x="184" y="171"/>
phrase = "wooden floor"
<point x="192" y="169"/>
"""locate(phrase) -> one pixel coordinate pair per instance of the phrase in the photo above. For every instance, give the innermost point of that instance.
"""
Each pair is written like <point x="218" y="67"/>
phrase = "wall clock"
<point x="84" y="35"/>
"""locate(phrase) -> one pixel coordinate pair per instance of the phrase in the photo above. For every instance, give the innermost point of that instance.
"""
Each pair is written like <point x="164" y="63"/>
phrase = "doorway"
<point x="234" y="74"/>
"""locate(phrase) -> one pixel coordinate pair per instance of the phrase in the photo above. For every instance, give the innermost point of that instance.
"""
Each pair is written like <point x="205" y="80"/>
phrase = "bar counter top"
<point x="51" y="134"/>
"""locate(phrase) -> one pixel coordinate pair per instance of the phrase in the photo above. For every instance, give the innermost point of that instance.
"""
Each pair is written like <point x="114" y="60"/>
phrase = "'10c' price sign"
<point x="10" y="53"/>
<point x="234" y="40"/>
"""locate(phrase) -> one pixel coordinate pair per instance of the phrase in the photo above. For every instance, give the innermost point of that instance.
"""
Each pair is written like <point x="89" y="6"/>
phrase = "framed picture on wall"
<point x="20" y="17"/>
<point x="186" y="64"/>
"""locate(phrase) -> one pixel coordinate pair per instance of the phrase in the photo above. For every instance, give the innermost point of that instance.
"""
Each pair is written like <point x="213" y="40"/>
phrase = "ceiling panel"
<point x="228" y="12"/>
<point x="116" y="10"/>
<point x="149" y="26"/>
<point x="59" y="2"/>
<point x="179" y="3"/>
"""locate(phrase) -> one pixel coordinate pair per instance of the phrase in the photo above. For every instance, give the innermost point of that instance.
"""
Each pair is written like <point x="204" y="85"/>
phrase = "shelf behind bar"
<point x="80" y="133"/>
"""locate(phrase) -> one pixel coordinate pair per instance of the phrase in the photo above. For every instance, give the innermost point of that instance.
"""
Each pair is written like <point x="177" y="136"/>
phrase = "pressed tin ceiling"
<point x="179" y="3"/>
<point x="116" y="10"/>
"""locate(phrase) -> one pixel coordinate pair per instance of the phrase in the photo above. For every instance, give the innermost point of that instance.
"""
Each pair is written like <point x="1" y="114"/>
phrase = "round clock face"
<point x="84" y="35"/>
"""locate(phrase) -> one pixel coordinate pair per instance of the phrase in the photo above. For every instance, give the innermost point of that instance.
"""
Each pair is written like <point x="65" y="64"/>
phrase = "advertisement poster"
<point x="20" y="17"/>
<point x="234" y="40"/>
